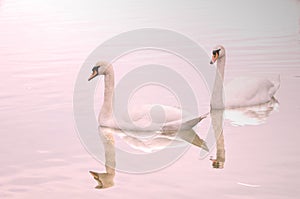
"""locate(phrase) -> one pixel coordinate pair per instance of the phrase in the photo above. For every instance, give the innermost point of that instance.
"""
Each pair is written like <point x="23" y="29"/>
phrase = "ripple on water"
<point x="17" y="190"/>
<point x="29" y="181"/>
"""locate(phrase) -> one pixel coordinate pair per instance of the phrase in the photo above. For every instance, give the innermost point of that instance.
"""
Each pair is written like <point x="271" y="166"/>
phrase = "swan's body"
<point x="249" y="91"/>
<point x="150" y="117"/>
<point x="241" y="91"/>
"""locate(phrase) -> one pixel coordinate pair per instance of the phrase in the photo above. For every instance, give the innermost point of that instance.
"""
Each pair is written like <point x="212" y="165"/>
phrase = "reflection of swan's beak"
<point x="93" y="75"/>
<point x="96" y="177"/>
<point x="217" y="164"/>
<point x="104" y="180"/>
<point x="214" y="58"/>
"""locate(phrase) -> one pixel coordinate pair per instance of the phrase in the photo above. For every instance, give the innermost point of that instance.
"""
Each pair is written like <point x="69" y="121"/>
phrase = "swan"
<point x="146" y="117"/>
<point x="241" y="91"/>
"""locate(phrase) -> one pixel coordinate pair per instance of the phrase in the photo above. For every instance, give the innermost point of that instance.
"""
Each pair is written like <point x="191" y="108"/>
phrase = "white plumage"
<point x="241" y="91"/>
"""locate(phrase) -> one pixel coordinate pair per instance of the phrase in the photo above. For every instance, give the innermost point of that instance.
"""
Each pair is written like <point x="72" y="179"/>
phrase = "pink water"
<point x="43" y="45"/>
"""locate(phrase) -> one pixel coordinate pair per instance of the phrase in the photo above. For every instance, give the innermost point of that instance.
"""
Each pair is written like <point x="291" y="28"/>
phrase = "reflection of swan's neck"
<point x="217" y="118"/>
<point x="106" y="110"/>
<point x="217" y="95"/>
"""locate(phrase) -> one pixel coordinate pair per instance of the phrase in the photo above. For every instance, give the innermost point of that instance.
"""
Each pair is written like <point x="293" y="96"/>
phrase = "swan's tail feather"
<point x="191" y="123"/>
<point x="276" y="83"/>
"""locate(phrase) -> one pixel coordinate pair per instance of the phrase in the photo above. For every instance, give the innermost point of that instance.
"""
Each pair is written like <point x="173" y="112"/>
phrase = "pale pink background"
<point x="44" y="43"/>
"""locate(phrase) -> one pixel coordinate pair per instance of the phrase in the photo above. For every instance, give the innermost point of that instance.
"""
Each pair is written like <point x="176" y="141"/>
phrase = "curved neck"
<point x="217" y="95"/>
<point x="221" y="66"/>
<point x="106" y="110"/>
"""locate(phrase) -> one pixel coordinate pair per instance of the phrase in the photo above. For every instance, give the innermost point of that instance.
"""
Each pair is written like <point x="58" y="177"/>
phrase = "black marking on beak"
<point x="215" y="56"/>
<point x="214" y="52"/>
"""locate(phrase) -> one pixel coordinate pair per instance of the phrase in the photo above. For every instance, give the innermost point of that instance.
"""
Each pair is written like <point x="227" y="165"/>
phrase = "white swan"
<point x="242" y="91"/>
<point x="145" y="118"/>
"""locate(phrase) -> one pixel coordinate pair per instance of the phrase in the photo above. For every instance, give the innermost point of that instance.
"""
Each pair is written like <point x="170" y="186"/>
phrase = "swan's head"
<point x="100" y="68"/>
<point x="217" y="53"/>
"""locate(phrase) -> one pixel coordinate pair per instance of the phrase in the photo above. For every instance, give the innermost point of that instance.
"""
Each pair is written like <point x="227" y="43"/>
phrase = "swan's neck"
<point x="221" y="67"/>
<point x="107" y="107"/>
<point x="217" y="95"/>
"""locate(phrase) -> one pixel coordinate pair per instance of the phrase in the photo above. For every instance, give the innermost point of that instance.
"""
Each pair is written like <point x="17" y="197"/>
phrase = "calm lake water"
<point x="43" y="46"/>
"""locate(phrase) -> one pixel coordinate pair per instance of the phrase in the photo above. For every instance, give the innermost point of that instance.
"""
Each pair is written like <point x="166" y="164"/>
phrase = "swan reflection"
<point x="251" y="115"/>
<point x="152" y="141"/>
<point x="106" y="179"/>
<point x="142" y="141"/>
<point x="217" y="118"/>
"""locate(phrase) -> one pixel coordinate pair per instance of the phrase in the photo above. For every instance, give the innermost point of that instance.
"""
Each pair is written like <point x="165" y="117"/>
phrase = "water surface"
<point x="43" y="45"/>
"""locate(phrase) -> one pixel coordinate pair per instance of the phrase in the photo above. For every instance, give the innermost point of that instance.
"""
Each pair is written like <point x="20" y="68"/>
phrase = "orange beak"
<point x="93" y="75"/>
<point x="214" y="58"/>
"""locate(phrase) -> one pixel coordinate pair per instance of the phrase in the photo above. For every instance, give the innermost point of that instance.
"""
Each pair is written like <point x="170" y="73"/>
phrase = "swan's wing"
<point x="248" y="91"/>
